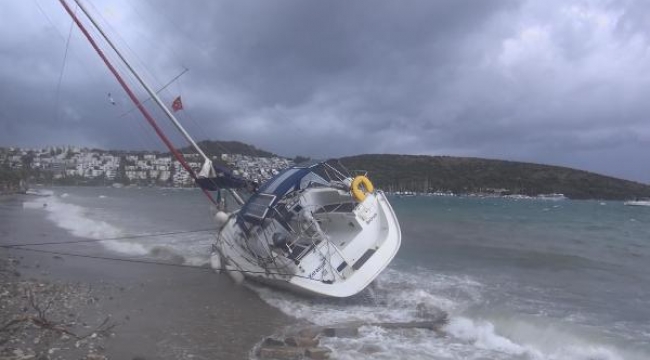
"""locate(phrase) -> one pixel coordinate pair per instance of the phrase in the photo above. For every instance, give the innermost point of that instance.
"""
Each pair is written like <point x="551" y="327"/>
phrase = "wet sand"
<point x="159" y="312"/>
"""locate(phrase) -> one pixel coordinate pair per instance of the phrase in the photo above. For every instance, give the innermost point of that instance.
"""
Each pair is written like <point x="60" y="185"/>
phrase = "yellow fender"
<point x="359" y="192"/>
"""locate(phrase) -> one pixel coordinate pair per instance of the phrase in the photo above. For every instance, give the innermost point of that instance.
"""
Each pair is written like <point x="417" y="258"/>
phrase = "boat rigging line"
<point x="149" y="262"/>
<point x="127" y="237"/>
<point x="150" y="91"/>
<point x="132" y="96"/>
<point x="157" y="92"/>
<point x="58" y="84"/>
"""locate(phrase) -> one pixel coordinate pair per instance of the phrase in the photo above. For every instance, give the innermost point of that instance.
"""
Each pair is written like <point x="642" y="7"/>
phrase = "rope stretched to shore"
<point x="126" y="237"/>
<point x="149" y="262"/>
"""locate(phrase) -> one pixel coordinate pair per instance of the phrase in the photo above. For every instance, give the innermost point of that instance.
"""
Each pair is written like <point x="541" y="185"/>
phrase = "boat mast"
<point x="133" y="98"/>
<point x="150" y="91"/>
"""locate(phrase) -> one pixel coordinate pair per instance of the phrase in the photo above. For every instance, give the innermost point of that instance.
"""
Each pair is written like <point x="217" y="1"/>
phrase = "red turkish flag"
<point x="177" y="104"/>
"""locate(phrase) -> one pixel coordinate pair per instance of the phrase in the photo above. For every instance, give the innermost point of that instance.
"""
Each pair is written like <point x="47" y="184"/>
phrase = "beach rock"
<point x="281" y="353"/>
<point x="318" y="353"/>
<point x="19" y="354"/>
<point x="343" y="332"/>
<point x="431" y="312"/>
<point x="271" y="342"/>
<point x="95" y="357"/>
<point x="301" y="341"/>
<point x="309" y="332"/>
<point x="371" y="349"/>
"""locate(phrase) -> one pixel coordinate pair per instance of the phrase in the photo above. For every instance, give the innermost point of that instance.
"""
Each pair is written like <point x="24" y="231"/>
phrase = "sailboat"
<point x="643" y="202"/>
<point x="314" y="229"/>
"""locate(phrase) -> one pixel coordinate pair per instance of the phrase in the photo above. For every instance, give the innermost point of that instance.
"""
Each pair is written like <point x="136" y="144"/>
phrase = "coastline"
<point x="153" y="311"/>
<point x="5" y="193"/>
<point x="461" y="254"/>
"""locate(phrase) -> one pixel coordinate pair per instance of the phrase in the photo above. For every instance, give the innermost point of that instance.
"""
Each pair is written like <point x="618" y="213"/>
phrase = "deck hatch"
<point x="362" y="260"/>
<point x="342" y="266"/>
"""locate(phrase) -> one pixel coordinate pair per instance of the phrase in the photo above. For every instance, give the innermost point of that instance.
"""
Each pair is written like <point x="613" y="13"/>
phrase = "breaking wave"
<point x="74" y="218"/>
<point x="468" y="335"/>
<point x="87" y="223"/>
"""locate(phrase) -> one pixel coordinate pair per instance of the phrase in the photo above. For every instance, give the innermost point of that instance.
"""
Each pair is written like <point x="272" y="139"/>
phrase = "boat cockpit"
<point x="286" y="210"/>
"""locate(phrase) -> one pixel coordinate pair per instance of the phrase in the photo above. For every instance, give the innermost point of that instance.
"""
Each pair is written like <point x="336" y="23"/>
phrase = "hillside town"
<point x="75" y="165"/>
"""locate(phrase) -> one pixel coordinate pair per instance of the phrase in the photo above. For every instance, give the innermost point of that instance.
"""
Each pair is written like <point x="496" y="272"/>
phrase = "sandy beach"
<point x="117" y="310"/>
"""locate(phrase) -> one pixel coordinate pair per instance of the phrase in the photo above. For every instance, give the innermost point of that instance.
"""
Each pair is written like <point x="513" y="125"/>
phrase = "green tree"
<point x="300" y="159"/>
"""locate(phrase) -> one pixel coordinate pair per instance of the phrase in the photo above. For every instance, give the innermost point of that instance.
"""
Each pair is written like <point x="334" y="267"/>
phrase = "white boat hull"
<point x="359" y="246"/>
<point x="637" y="203"/>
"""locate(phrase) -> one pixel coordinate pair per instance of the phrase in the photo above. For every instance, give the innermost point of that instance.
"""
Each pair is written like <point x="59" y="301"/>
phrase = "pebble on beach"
<point x="43" y="320"/>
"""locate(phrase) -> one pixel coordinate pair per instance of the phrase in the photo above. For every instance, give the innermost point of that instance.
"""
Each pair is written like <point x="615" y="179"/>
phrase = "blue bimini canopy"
<point x="256" y="208"/>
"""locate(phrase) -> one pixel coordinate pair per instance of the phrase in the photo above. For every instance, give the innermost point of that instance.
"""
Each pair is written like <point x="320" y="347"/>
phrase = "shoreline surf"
<point x="507" y="299"/>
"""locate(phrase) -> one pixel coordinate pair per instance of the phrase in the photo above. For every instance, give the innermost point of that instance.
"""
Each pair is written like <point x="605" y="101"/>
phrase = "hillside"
<point x="216" y="147"/>
<point x="463" y="175"/>
<point x="422" y="174"/>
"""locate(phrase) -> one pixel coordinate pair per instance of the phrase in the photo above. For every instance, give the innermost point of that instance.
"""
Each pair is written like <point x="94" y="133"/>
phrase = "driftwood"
<point x="41" y="320"/>
<point x="429" y="325"/>
<point x="351" y="329"/>
<point x="304" y="343"/>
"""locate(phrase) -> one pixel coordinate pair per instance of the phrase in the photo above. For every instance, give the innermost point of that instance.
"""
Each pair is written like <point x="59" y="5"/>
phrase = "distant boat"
<point x="405" y="193"/>
<point x="518" y="197"/>
<point x="440" y="193"/>
<point x="637" y="203"/>
<point x="554" y="196"/>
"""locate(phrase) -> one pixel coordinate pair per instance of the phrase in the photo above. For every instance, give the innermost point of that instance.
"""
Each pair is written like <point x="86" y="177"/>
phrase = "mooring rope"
<point x="126" y="237"/>
<point x="149" y="262"/>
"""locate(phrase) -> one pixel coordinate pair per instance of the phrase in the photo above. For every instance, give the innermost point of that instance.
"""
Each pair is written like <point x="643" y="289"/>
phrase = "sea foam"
<point x="394" y="298"/>
<point x="77" y="220"/>
<point x="188" y="249"/>
<point x="74" y="218"/>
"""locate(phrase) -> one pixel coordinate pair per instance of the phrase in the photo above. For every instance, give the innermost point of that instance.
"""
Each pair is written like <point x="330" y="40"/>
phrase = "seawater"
<point x="521" y="279"/>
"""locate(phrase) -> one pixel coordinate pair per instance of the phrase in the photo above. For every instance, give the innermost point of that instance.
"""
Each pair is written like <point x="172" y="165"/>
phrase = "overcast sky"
<point x="560" y="82"/>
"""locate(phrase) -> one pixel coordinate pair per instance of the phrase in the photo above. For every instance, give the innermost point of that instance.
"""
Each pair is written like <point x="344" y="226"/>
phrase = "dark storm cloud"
<point x="546" y="81"/>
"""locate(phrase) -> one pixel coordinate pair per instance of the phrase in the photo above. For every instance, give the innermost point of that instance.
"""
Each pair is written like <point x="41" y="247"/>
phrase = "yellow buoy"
<point x="361" y="186"/>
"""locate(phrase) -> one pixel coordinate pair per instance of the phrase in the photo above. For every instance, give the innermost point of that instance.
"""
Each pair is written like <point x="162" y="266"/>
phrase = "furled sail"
<point x="214" y="177"/>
